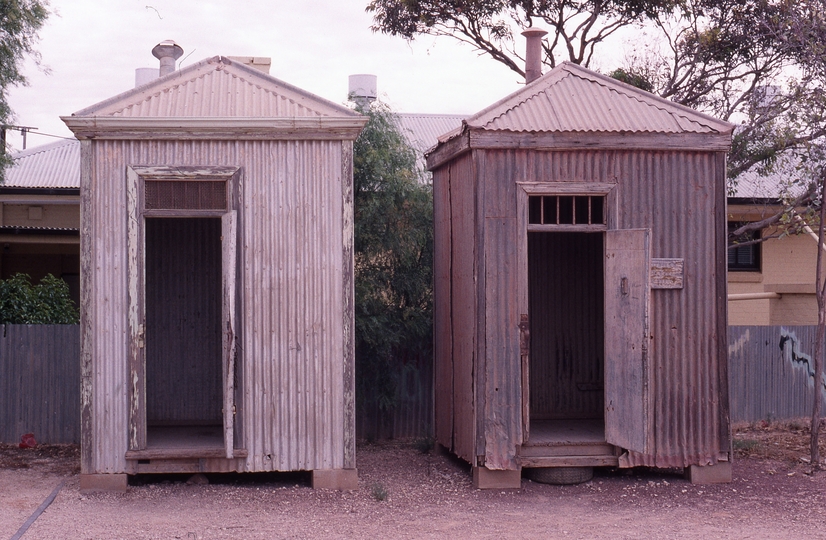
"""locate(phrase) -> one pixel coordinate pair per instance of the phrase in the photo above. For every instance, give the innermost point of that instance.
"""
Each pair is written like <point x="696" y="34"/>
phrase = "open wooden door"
<point x="627" y="400"/>
<point x="228" y="264"/>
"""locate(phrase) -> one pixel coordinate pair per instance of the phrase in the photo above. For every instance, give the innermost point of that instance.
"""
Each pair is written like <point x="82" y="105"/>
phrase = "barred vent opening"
<point x="566" y="210"/>
<point x="185" y="195"/>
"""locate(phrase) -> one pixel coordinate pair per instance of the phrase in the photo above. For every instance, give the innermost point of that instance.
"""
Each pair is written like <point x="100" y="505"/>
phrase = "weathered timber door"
<point x="627" y="420"/>
<point x="228" y="255"/>
<point x="170" y="215"/>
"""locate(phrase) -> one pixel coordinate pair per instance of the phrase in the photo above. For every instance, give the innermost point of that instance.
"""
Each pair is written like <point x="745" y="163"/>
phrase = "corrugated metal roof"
<point x="571" y="98"/>
<point x="51" y="166"/>
<point x="422" y="131"/>
<point x="783" y="181"/>
<point x="217" y="87"/>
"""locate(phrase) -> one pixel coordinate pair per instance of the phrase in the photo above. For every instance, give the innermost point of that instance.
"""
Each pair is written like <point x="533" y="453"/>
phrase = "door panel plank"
<point x="228" y="250"/>
<point x="627" y="286"/>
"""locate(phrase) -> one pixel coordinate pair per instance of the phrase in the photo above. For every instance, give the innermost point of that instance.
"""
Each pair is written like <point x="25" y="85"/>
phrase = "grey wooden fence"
<point x="771" y="372"/>
<point x="40" y="383"/>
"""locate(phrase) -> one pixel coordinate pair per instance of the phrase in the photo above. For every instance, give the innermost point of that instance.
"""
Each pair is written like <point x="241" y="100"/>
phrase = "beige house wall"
<point x="787" y="267"/>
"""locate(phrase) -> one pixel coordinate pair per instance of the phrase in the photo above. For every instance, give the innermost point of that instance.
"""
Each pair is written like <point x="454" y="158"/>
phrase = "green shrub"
<point x="45" y="303"/>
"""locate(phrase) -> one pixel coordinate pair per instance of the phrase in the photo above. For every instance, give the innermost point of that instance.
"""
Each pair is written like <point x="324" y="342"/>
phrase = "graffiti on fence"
<point x="798" y="359"/>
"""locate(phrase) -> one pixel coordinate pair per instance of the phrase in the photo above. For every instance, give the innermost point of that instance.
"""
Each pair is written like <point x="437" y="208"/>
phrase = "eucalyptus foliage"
<point x="20" y="20"/>
<point x="393" y="259"/>
<point x="45" y="303"/>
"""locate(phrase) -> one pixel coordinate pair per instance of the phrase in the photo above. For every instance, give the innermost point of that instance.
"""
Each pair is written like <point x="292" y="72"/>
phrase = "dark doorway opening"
<point x="566" y="306"/>
<point x="184" y="388"/>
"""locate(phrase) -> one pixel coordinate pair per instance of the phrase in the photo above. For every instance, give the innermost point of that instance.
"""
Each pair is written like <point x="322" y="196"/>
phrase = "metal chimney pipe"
<point x="533" y="53"/>
<point x="167" y="52"/>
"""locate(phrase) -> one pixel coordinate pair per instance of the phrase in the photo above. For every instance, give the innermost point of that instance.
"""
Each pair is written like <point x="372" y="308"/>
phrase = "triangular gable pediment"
<point x="573" y="99"/>
<point x="216" y="87"/>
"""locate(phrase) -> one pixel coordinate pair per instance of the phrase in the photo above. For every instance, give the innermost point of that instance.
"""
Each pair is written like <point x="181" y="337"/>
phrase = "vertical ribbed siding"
<point x="39" y="371"/>
<point x="772" y="372"/>
<point x="673" y="194"/>
<point x="291" y="296"/>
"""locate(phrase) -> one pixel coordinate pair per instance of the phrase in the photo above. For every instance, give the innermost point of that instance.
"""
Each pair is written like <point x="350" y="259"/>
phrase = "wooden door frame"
<point x="136" y="176"/>
<point x="524" y="191"/>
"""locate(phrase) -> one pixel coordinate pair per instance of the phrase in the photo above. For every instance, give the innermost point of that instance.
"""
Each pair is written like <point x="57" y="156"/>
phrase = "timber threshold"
<point x="181" y="442"/>
<point x="568" y="443"/>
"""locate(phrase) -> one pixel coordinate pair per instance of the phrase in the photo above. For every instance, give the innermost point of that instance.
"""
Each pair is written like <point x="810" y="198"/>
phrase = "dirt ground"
<point x="404" y="493"/>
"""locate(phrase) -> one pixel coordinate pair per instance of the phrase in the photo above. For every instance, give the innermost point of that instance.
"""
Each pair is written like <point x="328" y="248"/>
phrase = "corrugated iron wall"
<point x="183" y="321"/>
<point x="772" y="372"/>
<point x="565" y="273"/>
<point x="672" y="193"/>
<point x="456" y="317"/>
<point x="40" y="383"/>
<point x="291" y="298"/>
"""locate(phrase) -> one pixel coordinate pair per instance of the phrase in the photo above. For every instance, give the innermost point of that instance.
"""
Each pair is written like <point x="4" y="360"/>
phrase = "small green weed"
<point x="746" y="445"/>
<point x="380" y="492"/>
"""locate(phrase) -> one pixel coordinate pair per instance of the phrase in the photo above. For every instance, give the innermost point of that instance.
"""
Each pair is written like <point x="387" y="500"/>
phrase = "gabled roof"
<point x="51" y="166"/>
<point x="572" y="107"/>
<point x="216" y="97"/>
<point x="571" y="98"/>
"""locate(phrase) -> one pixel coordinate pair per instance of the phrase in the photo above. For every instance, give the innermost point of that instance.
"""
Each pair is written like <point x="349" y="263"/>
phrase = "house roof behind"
<point x="571" y="98"/>
<point x="217" y="87"/>
<point x="784" y="180"/>
<point x="422" y="131"/>
<point x="51" y="166"/>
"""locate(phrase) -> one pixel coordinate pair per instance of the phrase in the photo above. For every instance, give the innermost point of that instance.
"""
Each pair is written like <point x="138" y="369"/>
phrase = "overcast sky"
<point x="92" y="48"/>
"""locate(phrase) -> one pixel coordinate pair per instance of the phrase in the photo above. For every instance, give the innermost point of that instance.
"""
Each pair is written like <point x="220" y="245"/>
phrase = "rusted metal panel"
<point x="688" y="381"/>
<point x="652" y="192"/>
<point x="463" y="304"/>
<point x="38" y="364"/>
<point x="54" y="166"/>
<point x="772" y="372"/>
<point x="627" y="372"/>
<point x="565" y="281"/>
<point x="442" y="312"/>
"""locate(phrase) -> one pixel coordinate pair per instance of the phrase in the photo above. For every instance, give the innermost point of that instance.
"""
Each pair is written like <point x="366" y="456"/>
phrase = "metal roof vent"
<point x="167" y="52"/>
<point x="533" y="53"/>
<point x="362" y="89"/>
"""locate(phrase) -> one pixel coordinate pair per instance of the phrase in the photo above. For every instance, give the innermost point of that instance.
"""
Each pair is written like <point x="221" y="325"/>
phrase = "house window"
<point x="566" y="210"/>
<point x="743" y="258"/>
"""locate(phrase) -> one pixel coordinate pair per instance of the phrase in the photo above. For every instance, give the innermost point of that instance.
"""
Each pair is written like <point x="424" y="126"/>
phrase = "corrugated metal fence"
<point x="771" y="372"/>
<point x="40" y="383"/>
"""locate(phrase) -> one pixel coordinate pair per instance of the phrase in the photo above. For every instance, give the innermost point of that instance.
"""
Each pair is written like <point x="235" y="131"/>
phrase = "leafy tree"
<point x="739" y="60"/>
<point x="45" y="303"/>
<point x="393" y="260"/>
<point x="20" y="20"/>
<point x="578" y="26"/>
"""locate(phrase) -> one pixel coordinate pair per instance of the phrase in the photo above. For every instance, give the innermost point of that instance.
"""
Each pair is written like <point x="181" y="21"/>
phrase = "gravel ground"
<point x="406" y="494"/>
